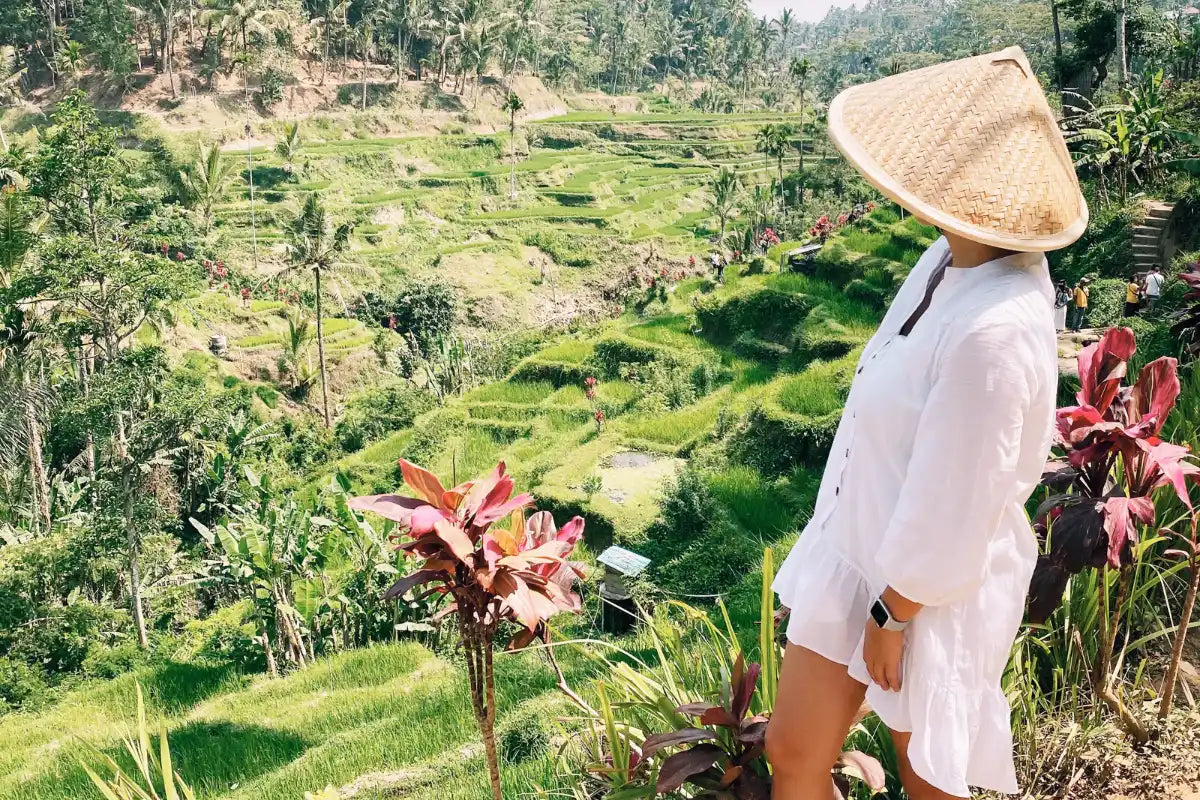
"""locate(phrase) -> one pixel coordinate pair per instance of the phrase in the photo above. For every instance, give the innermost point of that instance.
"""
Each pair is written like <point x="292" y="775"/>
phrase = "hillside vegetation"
<point x="563" y="276"/>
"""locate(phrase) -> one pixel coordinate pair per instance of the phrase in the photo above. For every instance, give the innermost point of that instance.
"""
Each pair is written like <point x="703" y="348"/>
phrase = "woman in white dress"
<point x="908" y="584"/>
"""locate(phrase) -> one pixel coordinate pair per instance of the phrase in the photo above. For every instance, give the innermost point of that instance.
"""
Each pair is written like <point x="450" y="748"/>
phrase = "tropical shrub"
<point x="1106" y="302"/>
<point x="1103" y="504"/>
<point x="769" y="313"/>
<point x="775" y="441"/>
<point x="485" y="573"/>
<point x="376" y="413"/>
<point x="1186" y="321"/>
<point x="565" y="250"/>
<point x="1106" y="247"/>
<point x="716" y="744"/>
<point x="21" y="686"/>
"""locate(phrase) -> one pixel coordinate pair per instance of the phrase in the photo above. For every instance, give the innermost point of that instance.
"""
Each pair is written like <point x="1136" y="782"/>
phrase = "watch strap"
<point x="884" y="618"/>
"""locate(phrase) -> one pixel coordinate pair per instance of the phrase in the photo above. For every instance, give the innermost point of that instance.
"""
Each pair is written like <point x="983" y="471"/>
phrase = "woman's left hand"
<point x="882" y="652"/>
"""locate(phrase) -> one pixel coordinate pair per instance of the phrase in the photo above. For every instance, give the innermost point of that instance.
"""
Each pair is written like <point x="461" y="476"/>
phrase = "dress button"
<point x="837" y="491"/>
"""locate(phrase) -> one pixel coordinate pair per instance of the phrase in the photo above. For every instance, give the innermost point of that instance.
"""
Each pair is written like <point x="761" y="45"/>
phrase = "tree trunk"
<point x="168" y="46"/>
<point x="1122" y="63"/>
<point x="269" y="651"/>
<point x="364" y="83"/>
<point x="489" y="722"/>
<point x="325" y="55"/>
<point x="37" y="466"/>
<point x="1185" y="620"/>
<point x="1102" y="674"/>
<point x="780" y="163"/>
<point x="287" y="628"/>
<point x="51" y="19"/>
<point x="132" y="537"/>
<point x="90" y="451"/>
<point x="400" y="57"/>
<point x="321" y="350"/>
<point x="1057" y="44"/>
<point x="512" y="155"/>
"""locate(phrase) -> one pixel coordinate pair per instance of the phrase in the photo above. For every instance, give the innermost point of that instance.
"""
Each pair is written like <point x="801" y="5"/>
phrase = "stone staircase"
<point x="1151" y="238"/>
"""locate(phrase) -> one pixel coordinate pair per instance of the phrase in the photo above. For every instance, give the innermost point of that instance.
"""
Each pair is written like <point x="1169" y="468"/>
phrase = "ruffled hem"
<point x="825" y="593"/>
<point x="958" y="733"/>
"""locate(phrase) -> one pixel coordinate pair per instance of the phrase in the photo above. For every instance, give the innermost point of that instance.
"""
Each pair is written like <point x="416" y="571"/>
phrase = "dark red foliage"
<point x="1096" y="511"/>
<point x="1186" y="325"/>
<point x="726" y="758"/>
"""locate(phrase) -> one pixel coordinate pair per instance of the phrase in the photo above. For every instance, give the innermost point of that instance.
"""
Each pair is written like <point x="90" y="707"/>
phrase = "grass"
<point x="814" y="392"/>
<point x="568" y="351"/>
<point x="360" y="712"/>
<point x="512" y="392"/>
<point x="675" y="429"/>
<point x="398" y="709"/>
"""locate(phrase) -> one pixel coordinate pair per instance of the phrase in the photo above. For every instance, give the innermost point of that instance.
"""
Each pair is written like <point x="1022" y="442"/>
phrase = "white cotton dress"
<point x="942" y="440"/>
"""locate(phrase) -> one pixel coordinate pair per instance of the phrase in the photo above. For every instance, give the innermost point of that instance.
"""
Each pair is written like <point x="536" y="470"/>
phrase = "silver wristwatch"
<point x="883" y="616"/>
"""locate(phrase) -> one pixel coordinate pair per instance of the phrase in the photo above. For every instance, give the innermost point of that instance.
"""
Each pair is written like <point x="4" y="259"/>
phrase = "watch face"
<point x="879" y="613"/>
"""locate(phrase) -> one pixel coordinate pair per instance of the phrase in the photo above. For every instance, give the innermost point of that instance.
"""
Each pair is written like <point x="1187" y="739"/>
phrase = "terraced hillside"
<point x="761" y="363"/>
<point x="751" y="374"/>
<point x="599" y="197"/>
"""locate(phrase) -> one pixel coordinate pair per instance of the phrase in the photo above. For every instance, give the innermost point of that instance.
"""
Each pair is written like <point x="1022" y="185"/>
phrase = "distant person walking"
<point x="719" y="262"/>
<point x="1133" y="297"/>
<point x="1080" y="304"/>
<point x="1062" y="300"/>
<point x="1154" y="285"/>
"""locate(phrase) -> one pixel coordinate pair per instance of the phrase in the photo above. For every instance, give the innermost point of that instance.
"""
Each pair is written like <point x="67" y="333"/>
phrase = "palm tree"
<point x="512" y="104"/>
<point x="288" y="147"/>
<point x="332" y="12"/>
<point x="295" y="364"/>
<point x="798" y="70"/>
<point x="785" y="23"/>
<point x="725" y="190"/>
<point x="670" y="44"/>
<point x="758" y="207"/>
<point x="365" y="30"/>
<point x="22" y="354"/>
<point x="71" y="57"/>
<point x="242" y="19"/>
<point x="774" y="141"/>
<point x="316" y="243"/>
<point x="207" y="180"/>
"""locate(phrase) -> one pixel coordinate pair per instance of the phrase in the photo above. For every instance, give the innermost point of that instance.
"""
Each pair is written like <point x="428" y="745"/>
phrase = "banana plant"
<point x="264" y="550"/>
<point x="1188" y="164"/>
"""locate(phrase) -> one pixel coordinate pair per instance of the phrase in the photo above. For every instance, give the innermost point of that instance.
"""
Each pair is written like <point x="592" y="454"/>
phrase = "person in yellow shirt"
<point x="1082" y="290"/>
<point x="1133" y="297"/>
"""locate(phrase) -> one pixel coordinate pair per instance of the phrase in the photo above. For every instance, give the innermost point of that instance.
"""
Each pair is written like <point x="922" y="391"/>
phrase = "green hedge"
<point x="558" y="373"/>
<point x="775" y="441"/>
<point x="766" y="313"/>
<point x="1106" y="247"/>
<point x="1106" y="302"/>
<point x="614" y="350"/>
<point x="503" y="431"/>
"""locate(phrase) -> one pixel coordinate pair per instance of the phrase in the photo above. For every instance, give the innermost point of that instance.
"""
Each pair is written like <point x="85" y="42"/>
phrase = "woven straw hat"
<point x="971" y="146"/>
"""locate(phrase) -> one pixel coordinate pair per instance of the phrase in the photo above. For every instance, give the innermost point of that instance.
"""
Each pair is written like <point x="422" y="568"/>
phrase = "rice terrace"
<point x="408" y="400"/>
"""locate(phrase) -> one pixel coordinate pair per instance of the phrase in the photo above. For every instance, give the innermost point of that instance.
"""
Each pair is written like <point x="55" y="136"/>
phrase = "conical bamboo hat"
<point x="971" y="146"/>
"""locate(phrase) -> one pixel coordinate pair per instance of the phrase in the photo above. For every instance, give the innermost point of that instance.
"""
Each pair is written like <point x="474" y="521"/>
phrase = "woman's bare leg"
<point x="914" y="784"/>
<point x="813" y="713"/>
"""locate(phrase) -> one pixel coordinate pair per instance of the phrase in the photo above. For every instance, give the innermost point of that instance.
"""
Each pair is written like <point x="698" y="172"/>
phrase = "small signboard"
<point x="624" y="561"/>
<point x="801" y="258"/>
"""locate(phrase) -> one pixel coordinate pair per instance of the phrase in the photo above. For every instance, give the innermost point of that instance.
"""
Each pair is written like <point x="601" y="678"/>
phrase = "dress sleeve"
<point x="962" y="472"/>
